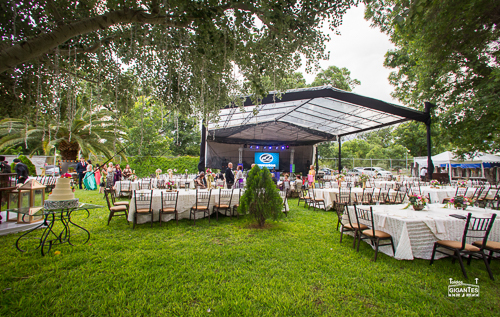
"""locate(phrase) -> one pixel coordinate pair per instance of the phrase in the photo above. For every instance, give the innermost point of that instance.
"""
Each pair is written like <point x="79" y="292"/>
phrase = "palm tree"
<point x="102" y="136"/>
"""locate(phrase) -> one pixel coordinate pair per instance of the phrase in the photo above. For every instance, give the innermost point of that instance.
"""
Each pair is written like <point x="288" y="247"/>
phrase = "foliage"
<point x="28" y="163"/>
<point x="447" y="53"/>
<point x="146" y="165"/>
<point x="337" y="77"/>
<point x="261" y="198"/>
<point x="294" y="259"/>
<point x="416" y="200"/>
<point x="99" y="135"/>
<point x="147" y="136"/>
<point x="187" y="50"/>
<point x="413" y="136"/>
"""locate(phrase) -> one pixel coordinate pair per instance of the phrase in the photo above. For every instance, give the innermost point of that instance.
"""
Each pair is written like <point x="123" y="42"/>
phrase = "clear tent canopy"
<point x="306" y="116"/>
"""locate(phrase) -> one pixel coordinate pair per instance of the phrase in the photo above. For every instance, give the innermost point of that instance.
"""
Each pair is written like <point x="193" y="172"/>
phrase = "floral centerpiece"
<point x="363" y="178"/>
<point x="340" y="177"/>
<point x="66" y="175"/>
<point x="132" y="176"/>
<point x="434" y="183"/>
<point x="170" y="185"/>
<point x="460" y="202"/>
<point x="462" y="183"/>
<point x="418" y="202"/>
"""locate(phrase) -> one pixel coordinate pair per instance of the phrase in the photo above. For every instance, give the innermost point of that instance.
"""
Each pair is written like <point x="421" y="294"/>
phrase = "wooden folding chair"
<point x="169" y="205"/>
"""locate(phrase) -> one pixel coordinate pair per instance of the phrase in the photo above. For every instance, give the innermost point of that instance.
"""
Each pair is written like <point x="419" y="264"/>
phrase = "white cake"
<point x="62" y="196"/>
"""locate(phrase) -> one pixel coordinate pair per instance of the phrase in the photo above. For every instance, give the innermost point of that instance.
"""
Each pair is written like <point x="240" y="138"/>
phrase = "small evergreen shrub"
<point x="261" y="198"/>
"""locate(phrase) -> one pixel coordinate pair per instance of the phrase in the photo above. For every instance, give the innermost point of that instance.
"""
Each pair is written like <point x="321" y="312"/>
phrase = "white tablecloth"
<point x="187" y="199"/>
<point x="154" y="181"/>
<point x="438" y="194"/>
<point x="330" y="195"/>
<point x="414" y="232"/>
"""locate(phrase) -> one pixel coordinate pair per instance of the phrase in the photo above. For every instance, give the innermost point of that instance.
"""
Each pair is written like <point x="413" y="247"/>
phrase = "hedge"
<point x="145" y="166"/>
<point x="25" y="160"/>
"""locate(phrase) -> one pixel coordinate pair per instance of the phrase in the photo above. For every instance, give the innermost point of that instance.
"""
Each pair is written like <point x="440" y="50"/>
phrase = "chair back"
<point x="484" y="193"/>
<point x="415" y="190"/>
<point x="339" y="210"/>
<point x="203" y="198"/>
<point x="461" y="191"/>
<point x="365" y="216"/>
<point x="367" y="195"/>
<point x="283" y="195"/>
<point x="477" y="228"/>
<point x="160" y="184"/>
<point x="344" y="195"/>
<point x="477" y="192"/>
<point x="145" y="184"/>
<point x="143" y="199"/>
<point x="225" y="196"/>
<point x="169" y="200"/>
<point x="107" y="192"/>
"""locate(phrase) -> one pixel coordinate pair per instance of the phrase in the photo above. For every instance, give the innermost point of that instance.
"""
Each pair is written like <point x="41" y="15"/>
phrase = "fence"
<point x="388" y="164"/>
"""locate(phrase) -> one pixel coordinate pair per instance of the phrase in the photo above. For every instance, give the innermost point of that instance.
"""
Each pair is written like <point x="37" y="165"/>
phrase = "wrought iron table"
<point x="50" y="217"/>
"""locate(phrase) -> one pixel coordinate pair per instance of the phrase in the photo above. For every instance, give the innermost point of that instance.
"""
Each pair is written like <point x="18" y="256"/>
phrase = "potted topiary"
<point x="261" y="198"/>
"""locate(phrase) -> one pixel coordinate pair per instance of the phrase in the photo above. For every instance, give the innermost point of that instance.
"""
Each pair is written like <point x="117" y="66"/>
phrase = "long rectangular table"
<point x="414" y="232"/>
<point x="187" y="199"/>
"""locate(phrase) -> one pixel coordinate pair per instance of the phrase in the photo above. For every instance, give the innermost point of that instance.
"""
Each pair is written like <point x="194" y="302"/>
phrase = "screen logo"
<point x="266" y="158"/>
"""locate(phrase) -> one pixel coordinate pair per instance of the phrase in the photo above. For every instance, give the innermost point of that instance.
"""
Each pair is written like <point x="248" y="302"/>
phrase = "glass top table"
<point x="50" y="217"/>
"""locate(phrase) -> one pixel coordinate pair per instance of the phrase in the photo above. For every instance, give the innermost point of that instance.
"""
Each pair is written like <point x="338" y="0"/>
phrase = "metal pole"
<point x="317" y="160"/>
<point x="201" y="164"/>
<point x="430" y="165"/>
<point x="340" y="155"/>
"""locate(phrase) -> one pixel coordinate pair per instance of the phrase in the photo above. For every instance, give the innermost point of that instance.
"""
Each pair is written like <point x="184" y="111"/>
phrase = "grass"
<point x="296" y="267"/>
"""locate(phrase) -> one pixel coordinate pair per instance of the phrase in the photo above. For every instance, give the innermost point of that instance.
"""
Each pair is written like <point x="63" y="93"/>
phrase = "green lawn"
<point x="295" y="268"/>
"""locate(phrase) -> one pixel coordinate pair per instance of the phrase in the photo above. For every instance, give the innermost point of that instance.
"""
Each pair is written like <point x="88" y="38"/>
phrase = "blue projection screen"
<point x="266" y="159"/>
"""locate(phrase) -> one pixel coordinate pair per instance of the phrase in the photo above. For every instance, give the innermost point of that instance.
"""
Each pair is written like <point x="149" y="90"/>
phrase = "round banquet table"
<point x="414" y="232"/>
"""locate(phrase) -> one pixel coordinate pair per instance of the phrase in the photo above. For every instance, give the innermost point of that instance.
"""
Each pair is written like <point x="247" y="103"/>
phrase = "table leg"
<point x="74" y="224"/>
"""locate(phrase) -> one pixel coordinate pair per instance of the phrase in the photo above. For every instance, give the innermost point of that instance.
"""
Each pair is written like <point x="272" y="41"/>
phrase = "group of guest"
<point x="102" y="176"/>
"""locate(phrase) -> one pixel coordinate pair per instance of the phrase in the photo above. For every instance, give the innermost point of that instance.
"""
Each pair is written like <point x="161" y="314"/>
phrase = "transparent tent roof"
<point x="307" y="116"/>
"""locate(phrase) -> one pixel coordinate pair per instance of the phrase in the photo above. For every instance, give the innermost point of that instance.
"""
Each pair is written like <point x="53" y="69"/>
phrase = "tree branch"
<point x="55" y="13"/>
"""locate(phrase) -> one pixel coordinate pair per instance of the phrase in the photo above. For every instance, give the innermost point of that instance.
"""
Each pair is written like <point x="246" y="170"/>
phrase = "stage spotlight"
<point x="251" y="146"/>
<point x="282" y="147"/>
<point x="277" y="147"/>
<point x="257" y="147"/>
<point x="287" y="147"/>
<point x="265" y="147"/>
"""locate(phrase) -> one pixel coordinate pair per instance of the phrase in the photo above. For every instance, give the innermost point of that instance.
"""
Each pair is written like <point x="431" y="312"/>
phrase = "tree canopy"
<point x="447" y="53"/>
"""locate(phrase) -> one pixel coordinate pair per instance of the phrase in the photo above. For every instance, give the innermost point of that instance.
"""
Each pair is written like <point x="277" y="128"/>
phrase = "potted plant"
<point x="417" y="202"/>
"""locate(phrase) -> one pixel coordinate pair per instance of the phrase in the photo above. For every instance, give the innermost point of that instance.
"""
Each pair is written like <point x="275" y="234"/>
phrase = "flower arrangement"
<point x="417" y="202"/>
<point x="340" y="177"/>
<point x="460" y="202"/>
<point x="158" y="171"/>
<point x="208" y="171"/>
<point x="66" y="175"/>
<point x="345" y="170"/>
<point x="169" y="170"/>
<point x="435" y="183"/>
<point x="462" y="183"/>
<point x="175" y="170"/>
<point x="364" y="177"/>
<point x="170" y="185"/>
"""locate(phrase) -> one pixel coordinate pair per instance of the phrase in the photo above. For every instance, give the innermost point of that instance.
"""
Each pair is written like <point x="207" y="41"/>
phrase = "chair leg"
<point x="433" y="253"/>
<point x="393" y="250"/>
<point x="110" y="216"/>
<point x="487" y="265"/>
<point x="159" y="215"/>
<point x="355" y="238"/>
<point x="341" y="233"/>
<point x="459" y="256"/>
<point x="469" y="259"/>
<point x="135" y="221"/>
<point x="359" y="241"/>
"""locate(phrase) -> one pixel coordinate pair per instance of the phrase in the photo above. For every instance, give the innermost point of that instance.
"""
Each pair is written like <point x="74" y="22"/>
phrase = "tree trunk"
<point x="69" y="151"/>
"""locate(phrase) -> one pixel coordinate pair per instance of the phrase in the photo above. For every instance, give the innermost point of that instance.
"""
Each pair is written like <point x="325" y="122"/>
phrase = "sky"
<point x="361" y="49"/>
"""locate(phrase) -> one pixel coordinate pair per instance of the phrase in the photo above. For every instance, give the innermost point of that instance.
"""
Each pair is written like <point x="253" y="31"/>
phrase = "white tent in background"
<point x="449" y="160"/>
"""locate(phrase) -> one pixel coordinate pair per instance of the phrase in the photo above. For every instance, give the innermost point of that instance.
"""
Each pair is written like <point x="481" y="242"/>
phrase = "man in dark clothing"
<point x="229" y="176"/>
<point x="81" y="169"/>
<point x="21" y="170"/>
<point x="4" y="166"/>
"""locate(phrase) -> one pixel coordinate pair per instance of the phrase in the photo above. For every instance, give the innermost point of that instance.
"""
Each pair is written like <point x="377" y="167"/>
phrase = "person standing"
<point x="229" y="175"/>
<point x="311" y="177"/>
<point x="81" y="169"/>
<point x="423" y="173"/>
<point x="89" y="179"/>
<point x="4" y="166"/>
<point x="127" y="172"/>
<point x="118" y="174"/>
<point x="110" y="176"/>
<point x="239" y="177"/>
<point x="21" y="171"/>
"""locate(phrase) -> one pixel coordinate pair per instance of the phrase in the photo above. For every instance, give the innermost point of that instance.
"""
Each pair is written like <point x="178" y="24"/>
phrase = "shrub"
<point x="261" y="198"/>
<point x="27" y="162"/>
<point x="144" y="166"/>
